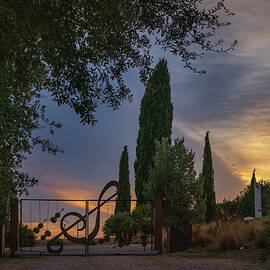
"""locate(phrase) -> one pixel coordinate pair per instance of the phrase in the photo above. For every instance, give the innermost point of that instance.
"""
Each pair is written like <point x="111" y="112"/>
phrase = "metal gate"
<point x="76" y="227"/>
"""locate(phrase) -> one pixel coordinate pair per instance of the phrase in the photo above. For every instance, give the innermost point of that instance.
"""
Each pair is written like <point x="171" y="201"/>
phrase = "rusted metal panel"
<point x="158" y="226"/>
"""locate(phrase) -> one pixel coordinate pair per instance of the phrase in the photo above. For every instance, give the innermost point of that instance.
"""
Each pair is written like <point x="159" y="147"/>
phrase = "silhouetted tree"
<point x="155" y="123"/>
<point x="208" y="180"/>
<point x="81" y="49"/>
<point x="124" y="194"/>
<point x="246" y="199"/>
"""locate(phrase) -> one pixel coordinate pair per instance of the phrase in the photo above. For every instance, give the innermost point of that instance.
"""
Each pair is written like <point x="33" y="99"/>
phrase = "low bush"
<point x="118" y="226"/>
<point x="141" y="218"/>
<point x="93" y="242"/>
<point x="28" y="238"/>
<point x="127" y="228"/>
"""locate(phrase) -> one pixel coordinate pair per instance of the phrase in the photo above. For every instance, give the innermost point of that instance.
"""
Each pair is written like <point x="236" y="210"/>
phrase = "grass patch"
<point x="218" y="236"/>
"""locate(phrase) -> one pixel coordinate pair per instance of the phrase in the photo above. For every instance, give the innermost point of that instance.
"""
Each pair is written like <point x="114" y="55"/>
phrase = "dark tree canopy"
<point x="124" y="197"/>
<point x="81" y="49"/>
<point x="208" y="180"/>
<point x="155" y="123"/>
<point x="246" y="198"/>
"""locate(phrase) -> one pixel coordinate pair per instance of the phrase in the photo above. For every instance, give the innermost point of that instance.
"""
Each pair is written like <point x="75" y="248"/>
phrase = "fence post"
<point x="14" y="227"/>
<point x="86" y="228"/>
<point x="2" y="240"/>
<point x="158" y="225"/>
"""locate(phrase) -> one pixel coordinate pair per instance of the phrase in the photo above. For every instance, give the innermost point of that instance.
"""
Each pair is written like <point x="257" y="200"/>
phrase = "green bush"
<point x="124" y="226"/>
<point x="141" y="218"/>
<point x="28" y="238"/>
<point x="111" y="229"/>
<point x="93" y="242"/>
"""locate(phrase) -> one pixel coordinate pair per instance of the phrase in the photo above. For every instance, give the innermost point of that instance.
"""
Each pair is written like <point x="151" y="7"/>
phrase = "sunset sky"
<point x="232" y="101"/>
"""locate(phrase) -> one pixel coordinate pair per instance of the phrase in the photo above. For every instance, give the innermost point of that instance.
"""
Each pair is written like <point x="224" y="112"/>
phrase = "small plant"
<point x="28" y="238"/>
<point x="93" y="242"/>
<point x="141" y="218"/>
<point x="118" y="226"/>
<point x="125" y="226"/>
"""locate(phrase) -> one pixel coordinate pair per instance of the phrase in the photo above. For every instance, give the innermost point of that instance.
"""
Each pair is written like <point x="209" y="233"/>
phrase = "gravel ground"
<point x="161" y="262"/>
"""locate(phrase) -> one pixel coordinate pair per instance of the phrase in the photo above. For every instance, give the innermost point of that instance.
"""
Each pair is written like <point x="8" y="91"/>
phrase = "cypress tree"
<point x="155" y="122"/>
<point x="251" y="195"/>
<point x="124" y="194"/>
<point x="247" y="203"/>
<point x="208" y="180"/>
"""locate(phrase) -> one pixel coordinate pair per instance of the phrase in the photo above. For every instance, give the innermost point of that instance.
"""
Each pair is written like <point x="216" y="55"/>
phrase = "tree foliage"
<point x="155" y="122"/>
<point x="208" y="179"/>
<point x="200" y="206"/>
<point x="246" y="199"/>
<point x="20" y="115"/>
<point x="82" y="48"/>
<point x="228" y="210"/>
<point x="243" y="205"/>
<point x="27" y="236"/>
<point x="173" y="178"/>
<point x="124" y="197"/>
<point x="124" y="226"/>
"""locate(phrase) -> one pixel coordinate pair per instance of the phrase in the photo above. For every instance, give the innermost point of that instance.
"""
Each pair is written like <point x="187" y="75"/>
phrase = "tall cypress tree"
<point x="247" y="203"/>
<point x="155" y="122"/>
<point x="208" y="180"/>
<point x="251" y="194"/>
<point x="124" y="194"/>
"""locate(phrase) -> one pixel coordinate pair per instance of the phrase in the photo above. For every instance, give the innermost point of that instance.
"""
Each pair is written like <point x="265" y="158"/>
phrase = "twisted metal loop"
<point x="81" y="218"/>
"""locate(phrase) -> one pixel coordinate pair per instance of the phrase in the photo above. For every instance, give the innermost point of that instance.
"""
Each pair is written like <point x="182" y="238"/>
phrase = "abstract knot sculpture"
<point x="81" y="218"/>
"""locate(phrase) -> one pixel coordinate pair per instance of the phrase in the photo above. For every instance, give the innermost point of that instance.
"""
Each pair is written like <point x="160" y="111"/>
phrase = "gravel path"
<point x="163" y="262"/>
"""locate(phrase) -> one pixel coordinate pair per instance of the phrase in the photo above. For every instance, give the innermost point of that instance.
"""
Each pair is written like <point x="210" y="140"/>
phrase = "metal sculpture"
<point x="39" y="226"/>
<point x="45" y="235"/>
<point x="81" y="218"/>
<point x="56" y="216"/>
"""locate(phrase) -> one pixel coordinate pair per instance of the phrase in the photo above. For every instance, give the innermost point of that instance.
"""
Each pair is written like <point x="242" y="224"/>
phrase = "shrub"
<point x="141" y="218"/>
<point x="118" y="226"/>
<point x="93" y="242"/>
<point x="28" y="238"/>
<point x="125" y="226"/>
